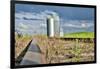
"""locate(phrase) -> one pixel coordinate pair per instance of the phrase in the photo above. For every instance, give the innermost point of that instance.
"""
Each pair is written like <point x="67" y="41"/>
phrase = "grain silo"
<point x="56" y="24"/>
<point x="50" y="26"/>
<point x="53" y="27"/>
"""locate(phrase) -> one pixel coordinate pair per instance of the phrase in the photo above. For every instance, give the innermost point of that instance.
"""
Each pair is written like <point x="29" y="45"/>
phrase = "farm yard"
<point x="57" y="50"/>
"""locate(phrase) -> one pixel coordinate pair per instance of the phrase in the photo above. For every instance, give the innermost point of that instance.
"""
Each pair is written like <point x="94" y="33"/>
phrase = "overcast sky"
<point x="72" y="19"/>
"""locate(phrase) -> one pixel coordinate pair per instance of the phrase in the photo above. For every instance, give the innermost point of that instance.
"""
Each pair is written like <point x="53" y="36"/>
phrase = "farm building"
<point x="53" y="25"/>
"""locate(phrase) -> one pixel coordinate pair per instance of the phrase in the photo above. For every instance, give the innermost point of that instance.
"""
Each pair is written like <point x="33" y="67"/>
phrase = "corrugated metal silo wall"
<point x="57" y="26"/>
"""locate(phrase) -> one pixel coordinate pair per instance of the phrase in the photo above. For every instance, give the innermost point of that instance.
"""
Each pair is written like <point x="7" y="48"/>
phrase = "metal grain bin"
<point x="50" y="26"/>
<point x="56" y="25"/>
<point x="53" y="27"/>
